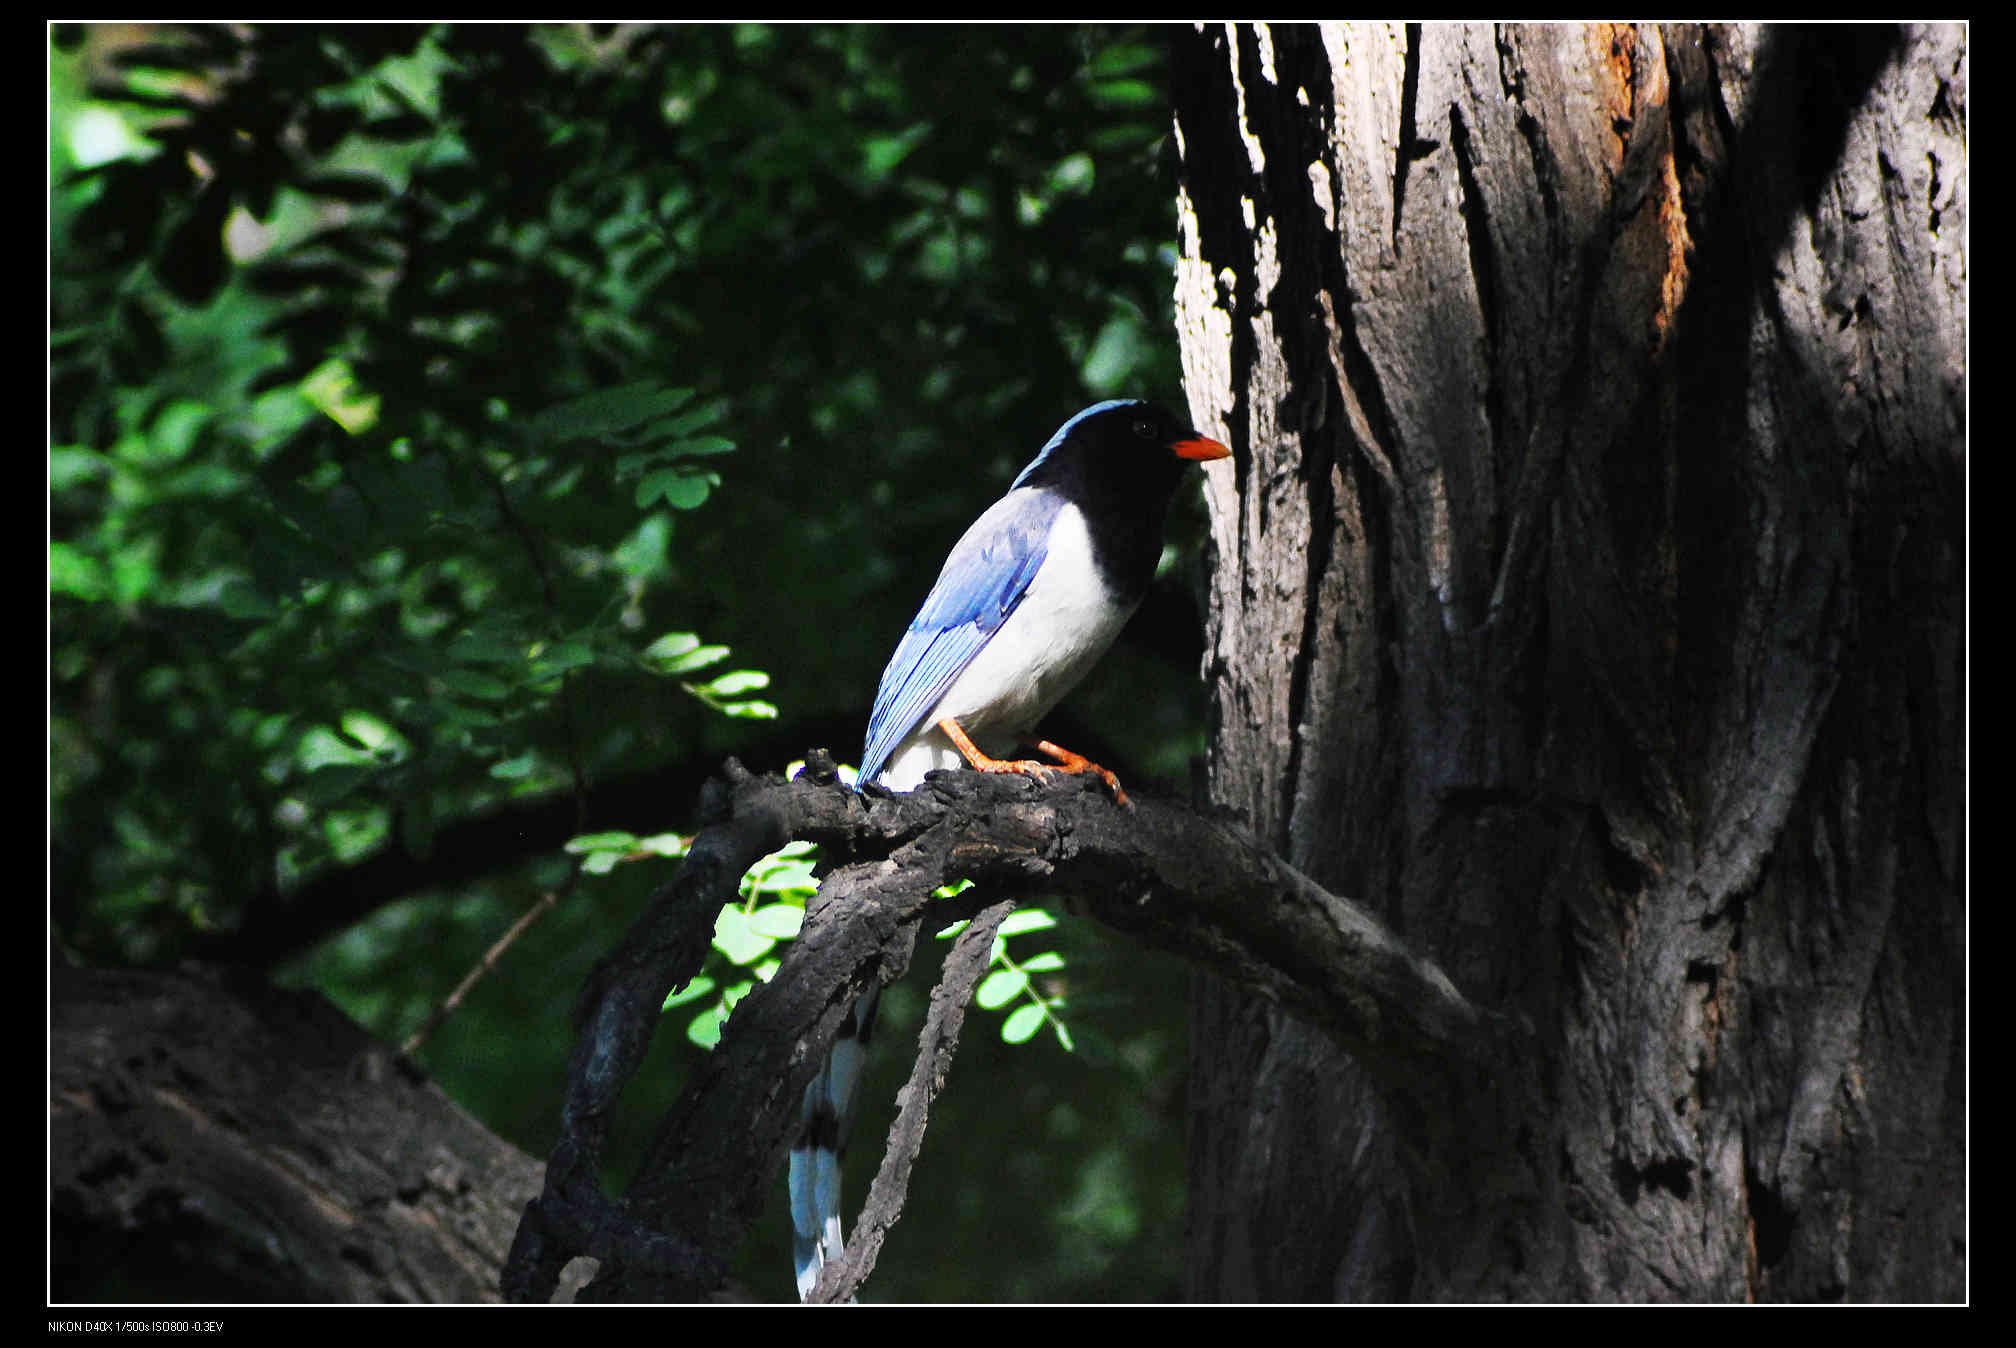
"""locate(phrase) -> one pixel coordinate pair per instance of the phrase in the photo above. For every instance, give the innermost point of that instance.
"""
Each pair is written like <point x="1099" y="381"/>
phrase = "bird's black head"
<point x="1120" y="449"/>
<point x="1118" y="463"/>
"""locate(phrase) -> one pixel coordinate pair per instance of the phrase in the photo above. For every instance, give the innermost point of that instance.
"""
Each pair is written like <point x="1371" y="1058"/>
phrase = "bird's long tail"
<point x="827" y="1115"/>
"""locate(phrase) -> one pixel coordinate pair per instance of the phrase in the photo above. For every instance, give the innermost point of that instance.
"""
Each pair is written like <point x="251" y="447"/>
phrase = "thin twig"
<point x="453" y="1002"/>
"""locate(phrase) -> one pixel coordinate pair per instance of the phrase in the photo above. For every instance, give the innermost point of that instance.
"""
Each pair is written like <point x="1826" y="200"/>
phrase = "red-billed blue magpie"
<point x="1027" y="602"/>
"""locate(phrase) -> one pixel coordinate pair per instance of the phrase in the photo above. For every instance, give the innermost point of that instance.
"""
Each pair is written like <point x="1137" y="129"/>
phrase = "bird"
<point x="1028" y="600"/>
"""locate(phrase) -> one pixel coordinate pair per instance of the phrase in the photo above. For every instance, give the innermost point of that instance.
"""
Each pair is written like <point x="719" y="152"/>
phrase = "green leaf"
<point x="737" y="681"/>
<point x="1123" y="136"/>
<point x="332" y="782"/>
<point x="373" y="734"/>
<point x="701" y="446"/>
<point x="75" y="572"/>
<point x="678" y="488"/>
<point x="471" y="684"/>
<point x="1122" y="58"/>
<point x="70" y="465"/>
<point x="671" y="646"/>
<point x="1072" y="175"/>
<point x="511" y="769"/>
<point x="647" y="553"/>
<point x="1022" y="1024"/>
<point x="239" y="600"/>
<point x="1000" y="988"/>
<point x="664" y="845"/>
<point x="692" y="992"/>
<point x="705" y="1028"/>
<point x="560" y="656"/>
<point x="1125" y="94"/>
<point x="778" y="921"/>
<point x="1118" y="353"/>
<point x="1043" y="963"/>
<point x="681" y="653"/>
<point x="881" y="155"/>
<point x="1027" y="919"/>
<point x="601" y="842"/>
<point x="691" y="420"/>
<point x="735" y="938"/>
<point x="780" y="874"/>
<point x="598" y="414"/>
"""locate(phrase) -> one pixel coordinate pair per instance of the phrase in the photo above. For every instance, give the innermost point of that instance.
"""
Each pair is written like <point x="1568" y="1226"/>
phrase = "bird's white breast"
<point x="1052" y="639"/>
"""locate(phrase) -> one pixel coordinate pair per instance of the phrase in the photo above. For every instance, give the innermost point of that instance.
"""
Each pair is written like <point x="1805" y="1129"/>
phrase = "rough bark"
<point x="1587" y="598"/>
<point x="213" y="1139"/>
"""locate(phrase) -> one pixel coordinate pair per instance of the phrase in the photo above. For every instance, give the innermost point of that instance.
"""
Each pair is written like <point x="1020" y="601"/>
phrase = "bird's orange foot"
<point x="1070" y="762"/>
<point x="1066" y="760"/>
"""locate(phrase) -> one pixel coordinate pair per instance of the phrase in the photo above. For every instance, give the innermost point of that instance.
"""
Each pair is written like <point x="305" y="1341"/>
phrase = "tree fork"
<point x="1194" y="884"/>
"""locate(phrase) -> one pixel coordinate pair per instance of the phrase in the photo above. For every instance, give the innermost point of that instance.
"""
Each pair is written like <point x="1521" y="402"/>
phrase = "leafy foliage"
<point x="437" y="410"/>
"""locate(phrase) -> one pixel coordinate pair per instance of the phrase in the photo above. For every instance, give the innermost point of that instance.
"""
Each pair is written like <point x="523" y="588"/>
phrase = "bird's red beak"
<point x="1200" y="449"/>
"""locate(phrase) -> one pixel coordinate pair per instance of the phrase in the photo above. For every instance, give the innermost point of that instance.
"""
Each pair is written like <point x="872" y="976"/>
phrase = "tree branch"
<point x="964" y="969"/>
<point x="279" y="924"/>
<point x="1162" y="872"/>
<point x="216" y="1139"/>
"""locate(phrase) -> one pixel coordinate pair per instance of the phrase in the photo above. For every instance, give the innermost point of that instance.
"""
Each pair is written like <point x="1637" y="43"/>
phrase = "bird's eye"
<point x="1145" y="429"/>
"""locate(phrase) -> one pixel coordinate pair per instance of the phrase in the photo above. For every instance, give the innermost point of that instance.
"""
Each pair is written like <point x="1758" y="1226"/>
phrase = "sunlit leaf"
<point x="1025" y="920"/>
<point x="705" y="1028"/>
<point x="736" y="938"/>
<point x="511" y="769"/>
<point x="665" y="844"/>
<point x="701" y="986"/>
<point x="1000" y="988"/>
<point x="681" y="653"/>
<point x="738" y="681"/>
<point x="601" y="842"/>
<point x="881" y="155"/>
<point x="778" y="921"/>
<point x="1125" y="94"/>
<point x="74" y="572"/>
<point x="1022" y="1024"/>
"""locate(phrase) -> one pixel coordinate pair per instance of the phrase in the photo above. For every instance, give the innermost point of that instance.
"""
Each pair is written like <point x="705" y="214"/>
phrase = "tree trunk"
<point x="1587" y="601"/>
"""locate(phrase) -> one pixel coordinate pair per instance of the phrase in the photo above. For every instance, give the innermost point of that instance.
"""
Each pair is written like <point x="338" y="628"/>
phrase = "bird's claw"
<point x="1029" y="767"/>
<point x="1067" y="761"/>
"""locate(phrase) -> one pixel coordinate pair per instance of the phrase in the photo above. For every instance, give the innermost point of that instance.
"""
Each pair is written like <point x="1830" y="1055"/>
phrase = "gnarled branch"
<point x="1162" y="872"/>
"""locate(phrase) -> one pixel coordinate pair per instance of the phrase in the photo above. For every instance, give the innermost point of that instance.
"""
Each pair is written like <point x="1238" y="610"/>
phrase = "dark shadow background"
<point x="351" y="629"/>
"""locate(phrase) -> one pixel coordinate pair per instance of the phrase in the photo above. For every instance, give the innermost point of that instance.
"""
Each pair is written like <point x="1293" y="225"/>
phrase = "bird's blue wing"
<point x="984" y="579"/>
